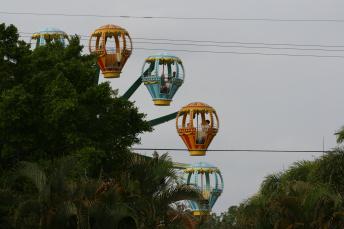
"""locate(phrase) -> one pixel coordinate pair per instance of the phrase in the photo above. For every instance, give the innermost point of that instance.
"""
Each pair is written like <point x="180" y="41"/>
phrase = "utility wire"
<point x="178" y="18"/>
<point x="226" y="46"/>
<point x="223" y="42"/>
<point x="230" y="46"/>
<point x="242" y="53"/>
<point x="236" y="150"/>
<point x="240" y="46"/>
<point x="239" y="53"/>
<point x="244" y="43"/>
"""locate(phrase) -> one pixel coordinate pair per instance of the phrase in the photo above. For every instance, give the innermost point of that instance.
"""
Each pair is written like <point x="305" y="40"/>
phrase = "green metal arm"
<point x="160" y="120"/>
<point x="132" y="89"/>
<point x="136" y="84"/>
<point x="96" y="79"/>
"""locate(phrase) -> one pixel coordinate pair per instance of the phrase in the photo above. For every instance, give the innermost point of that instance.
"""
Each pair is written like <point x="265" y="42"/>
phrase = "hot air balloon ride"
<point x="49" y="34"/>
<point x="208" y="180"/>
<point x="197" y="124"/>
<point x="112" y="44"/>
<point x="162" y="74"/>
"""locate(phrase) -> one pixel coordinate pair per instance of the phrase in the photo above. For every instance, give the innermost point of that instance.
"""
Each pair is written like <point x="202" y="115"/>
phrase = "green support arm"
<point x="132" y="89"/>
<point x="160" y="120"/>
<point x="136" y="84"/>
<point x="96" y="79"/>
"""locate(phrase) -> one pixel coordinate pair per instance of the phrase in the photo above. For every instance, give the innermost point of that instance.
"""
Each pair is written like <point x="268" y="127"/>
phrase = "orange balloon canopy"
<point x="197" y="124"/>
<point x="113" y="46"/>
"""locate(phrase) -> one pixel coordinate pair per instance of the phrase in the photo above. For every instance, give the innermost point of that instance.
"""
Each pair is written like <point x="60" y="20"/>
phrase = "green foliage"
<point x="64" y="148"/>
<point x="308" y="195"/>
<point x="152" y="194"/>
<point x="340" y="135"/>
<point x="330" y="170"/>
<point x="54" y="197"/>
<point x="51" y="105"/>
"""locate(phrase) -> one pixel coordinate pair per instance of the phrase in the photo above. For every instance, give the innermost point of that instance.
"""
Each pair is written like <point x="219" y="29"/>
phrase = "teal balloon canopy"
<point x="208" y="180"/>
<point x="163" y="74"/>
<point x="49" y="34"/>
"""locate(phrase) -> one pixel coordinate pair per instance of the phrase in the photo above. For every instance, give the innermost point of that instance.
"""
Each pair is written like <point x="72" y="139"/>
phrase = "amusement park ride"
<point x="49" y="35"/>
<point x="197" y="123"/>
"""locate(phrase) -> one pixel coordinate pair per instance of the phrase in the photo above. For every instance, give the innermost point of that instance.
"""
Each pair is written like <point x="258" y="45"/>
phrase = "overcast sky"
<point x="263" y="102"/>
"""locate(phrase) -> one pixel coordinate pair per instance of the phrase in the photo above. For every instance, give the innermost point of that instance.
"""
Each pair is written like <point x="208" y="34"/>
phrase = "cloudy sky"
<point x="263" y="102"/>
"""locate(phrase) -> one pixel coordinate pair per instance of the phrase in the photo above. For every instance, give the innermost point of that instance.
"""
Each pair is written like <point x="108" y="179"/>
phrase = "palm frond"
<point x="35" y="174"/>
<point x="177" y="193"/>
<point x="271" y="184"/>
<point x="340" y="135"/>
<point x="28" y="214"/>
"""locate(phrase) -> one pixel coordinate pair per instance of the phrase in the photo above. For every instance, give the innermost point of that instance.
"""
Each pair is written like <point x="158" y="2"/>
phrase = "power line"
<point x="225" y="42"/>
<point x="232" y="46"/>
<point x="244" y="43"/>
<point x="236" y="150"/>
<point x="241" y="53"/>
<point x="179" y="18"/>
<point x="240" y="46"/>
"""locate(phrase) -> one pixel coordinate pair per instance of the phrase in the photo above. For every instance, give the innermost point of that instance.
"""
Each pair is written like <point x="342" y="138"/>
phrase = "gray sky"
<point x="264" y="102"/>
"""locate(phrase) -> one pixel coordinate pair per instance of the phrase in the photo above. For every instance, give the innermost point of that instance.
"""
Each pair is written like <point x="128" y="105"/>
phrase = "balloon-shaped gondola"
<point x="162" y="74"/>
<point x="49" y="34"/>
<point x="208" y="180"/>
<point x="113" y="46"/>
<point x="197" y="124"/>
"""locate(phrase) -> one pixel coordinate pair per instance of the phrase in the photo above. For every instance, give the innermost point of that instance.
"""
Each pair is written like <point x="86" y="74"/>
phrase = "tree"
<point x="330" y="169"/>
<point x="51" y="105"/>
<point x="340" y="135"/>
<point x="64" y="146"/>
<point x="57" y="200"/>
<point x="54" y="197"/>
<point x="51" y="204"/>
<point x="307" y="195"/>
<point x="153" y="194"/>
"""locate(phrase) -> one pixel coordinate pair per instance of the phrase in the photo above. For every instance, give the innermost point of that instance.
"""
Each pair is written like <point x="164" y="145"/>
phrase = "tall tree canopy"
<point x="51" y="105"/>
<point x="307" y="195"/>
<point x="64" y="147"/>
<point x="340" y="135"/>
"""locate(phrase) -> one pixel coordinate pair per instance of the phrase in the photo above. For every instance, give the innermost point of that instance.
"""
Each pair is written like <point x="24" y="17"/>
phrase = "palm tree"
<point x="330" y="169"/>
<point x="63" y="202"/>
<point x="8" y="200"/>
<point x="340" y="135"/>
<point x="151" y="186"/>
<point x="142" y="196"/>
<point x="179" y="216"/>
<point x="50" y="206"/>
